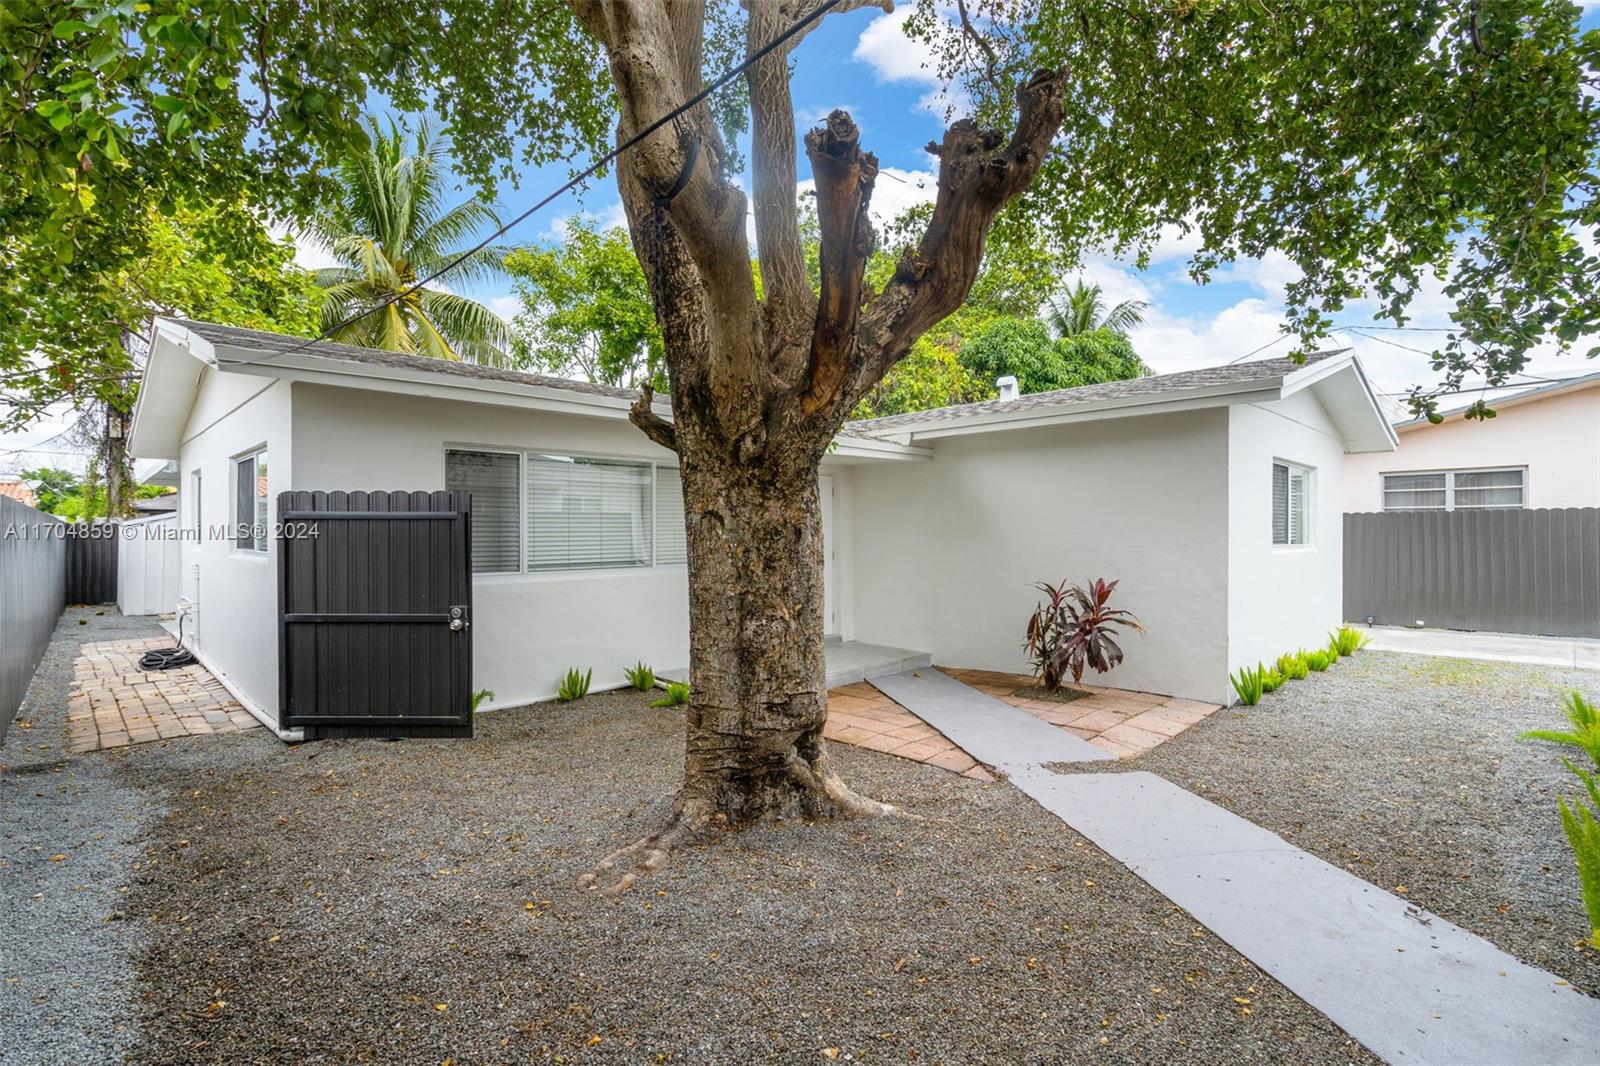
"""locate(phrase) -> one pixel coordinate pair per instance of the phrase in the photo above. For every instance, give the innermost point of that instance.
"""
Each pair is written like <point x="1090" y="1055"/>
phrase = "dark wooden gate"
<point x="375" y="602"/>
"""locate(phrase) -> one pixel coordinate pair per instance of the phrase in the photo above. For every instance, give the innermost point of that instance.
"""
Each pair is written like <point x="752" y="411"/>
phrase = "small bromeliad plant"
<point x="1317" y="659"/>
<point x="480" y="697"/>
<point x="1580" y="821"/>
<point x="1292" y="666"/>
<point x="641" y="677"/>
<point x="1074" y="628"/>
<point x="677" y="692"/>
<point x="574" y="686"/>
<point x="1250" y="683"/>
<point x="1271" y="680"/>
<point x="1347" y="640"/>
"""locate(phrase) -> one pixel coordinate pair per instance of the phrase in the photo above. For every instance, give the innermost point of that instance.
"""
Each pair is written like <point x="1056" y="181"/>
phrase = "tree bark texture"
<point x="760" y="387"/>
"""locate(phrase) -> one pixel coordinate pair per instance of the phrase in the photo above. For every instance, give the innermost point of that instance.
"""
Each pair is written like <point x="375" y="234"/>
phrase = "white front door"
<point x="830" y="618"/>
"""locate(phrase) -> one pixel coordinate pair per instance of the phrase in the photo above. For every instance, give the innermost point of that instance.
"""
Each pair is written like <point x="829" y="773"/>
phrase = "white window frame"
<point x="1307" y="477"/>
<point x="234" y="461"/>
<point x="523" y="504"/>
<point x="1450" y="487"/>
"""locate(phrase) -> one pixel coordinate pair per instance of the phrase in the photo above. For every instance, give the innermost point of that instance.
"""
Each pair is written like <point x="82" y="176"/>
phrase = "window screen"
<point x="1488" y="488"/>
<point x="1450" y="490"/>
<point x="1414" y="492"/>
<point x="1289" y="505"/>
<point x="494" y="480"/>
<point x="670" y="544"/>
<point x="585" y="513"/>
<point x="250" y="502"/>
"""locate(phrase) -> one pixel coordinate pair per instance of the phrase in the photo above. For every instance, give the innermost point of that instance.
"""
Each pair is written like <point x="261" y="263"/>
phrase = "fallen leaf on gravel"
<point x="593" y="1040"/>
<point x="830" y="1052"/>
<point x="441" y="1007"/>
<point x="274" y="938"/>
<point x="1242" y="1001"/>
<point x="974" y="960"/>
<point x="58" y="858"/>
<point x="899" y="964"/>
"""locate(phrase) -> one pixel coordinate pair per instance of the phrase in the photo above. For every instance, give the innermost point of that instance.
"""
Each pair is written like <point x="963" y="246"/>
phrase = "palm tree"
<point x="389" y="228"/>
<point x="1080" y="311"/>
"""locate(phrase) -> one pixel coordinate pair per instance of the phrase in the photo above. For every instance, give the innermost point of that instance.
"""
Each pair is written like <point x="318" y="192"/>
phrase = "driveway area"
<point x="1563" y="652"/>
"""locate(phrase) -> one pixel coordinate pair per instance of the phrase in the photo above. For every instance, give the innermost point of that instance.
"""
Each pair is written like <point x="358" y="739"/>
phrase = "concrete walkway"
<point x="1407" y="984"/>
<point x="1500" y="647"/>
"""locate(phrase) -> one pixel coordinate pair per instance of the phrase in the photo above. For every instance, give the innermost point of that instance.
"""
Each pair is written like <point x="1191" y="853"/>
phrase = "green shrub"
<point x="1585" y="734"/>
<point x="641" y="677"/>
<point x="1074" y="629"/>
<point x="677" y="692"/>
<point x="480" y="697"/>
<point x="1316" y="660"/>
<point x="1271" y="681"/>
<point x="574" y="686"/>
<point x="1332" y="651"/>
<point x="1578" y="820"/>
<point x="1248" y="684"/>
<point x="1293" y="666"/>
<point x="1348" y="640"/>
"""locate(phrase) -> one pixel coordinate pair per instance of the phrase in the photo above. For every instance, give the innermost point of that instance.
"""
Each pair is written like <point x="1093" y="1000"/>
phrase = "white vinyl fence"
<point x="147" y="565"/>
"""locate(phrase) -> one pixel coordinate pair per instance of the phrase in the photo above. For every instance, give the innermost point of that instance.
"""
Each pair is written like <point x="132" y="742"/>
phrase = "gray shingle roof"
<point x="275" y="345"/>
<point x="1235" y="374"/>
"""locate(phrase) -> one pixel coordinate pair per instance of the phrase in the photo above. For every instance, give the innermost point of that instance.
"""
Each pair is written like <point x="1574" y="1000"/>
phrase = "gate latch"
<point x="458" y="619"/>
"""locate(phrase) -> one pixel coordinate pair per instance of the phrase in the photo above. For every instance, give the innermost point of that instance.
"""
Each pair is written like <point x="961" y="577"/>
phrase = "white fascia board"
<point x="1357" y="392"/>
<point x="876" y="449"/>
<point x="1260" y="391"/>
<point x="167" y="390"/>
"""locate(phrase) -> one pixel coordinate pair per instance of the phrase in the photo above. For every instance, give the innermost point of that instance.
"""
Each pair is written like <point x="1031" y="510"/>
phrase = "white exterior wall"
<point x="1282" y="597"/>
<point x="527" y="629"/>
<point x="946" y="552"/>
<point x="1556" y="437"/>
<point x="233" y="623"/>
<point x="149" y="559"/>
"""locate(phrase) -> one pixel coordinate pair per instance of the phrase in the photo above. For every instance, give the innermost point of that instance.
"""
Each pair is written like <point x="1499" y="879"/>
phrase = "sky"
<point x="862" y="62"/>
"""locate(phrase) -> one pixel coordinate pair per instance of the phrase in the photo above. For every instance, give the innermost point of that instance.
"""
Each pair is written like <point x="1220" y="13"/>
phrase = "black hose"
<point x="168" y="658"/>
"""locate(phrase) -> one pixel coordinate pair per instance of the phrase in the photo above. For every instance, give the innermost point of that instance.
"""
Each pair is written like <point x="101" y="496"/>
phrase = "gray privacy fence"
<point x="33" y="561"/>
<point x="1511" y="571"/>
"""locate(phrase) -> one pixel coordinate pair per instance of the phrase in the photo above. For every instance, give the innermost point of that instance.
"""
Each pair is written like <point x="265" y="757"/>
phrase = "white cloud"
<point x="309" y="253"/>
<point x="609" y="216"/>
<point x="897" y="58"/>
<point x="895" y="191"/>
<point x="1171" y="343"/>
<point x="806" y="118"/>
<point x="506" y="306"/>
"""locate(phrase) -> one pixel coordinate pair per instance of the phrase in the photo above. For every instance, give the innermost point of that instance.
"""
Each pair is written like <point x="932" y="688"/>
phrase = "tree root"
<point x="818" y="794"/>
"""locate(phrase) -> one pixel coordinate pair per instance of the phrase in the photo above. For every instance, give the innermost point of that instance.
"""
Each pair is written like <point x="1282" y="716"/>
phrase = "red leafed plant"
<point x="1074" y="628"/>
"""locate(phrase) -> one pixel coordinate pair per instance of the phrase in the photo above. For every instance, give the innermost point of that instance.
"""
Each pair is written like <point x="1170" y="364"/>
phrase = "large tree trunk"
<point x="761" y="386"/>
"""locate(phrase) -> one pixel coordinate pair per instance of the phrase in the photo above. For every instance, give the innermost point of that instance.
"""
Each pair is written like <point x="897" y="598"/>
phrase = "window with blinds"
<point x="1290" y="486"/>
<point x="670" y="545"/>
<point x="1450" y="490"/>
<point x="588" y="513"/>
<point x="494" y="480"/>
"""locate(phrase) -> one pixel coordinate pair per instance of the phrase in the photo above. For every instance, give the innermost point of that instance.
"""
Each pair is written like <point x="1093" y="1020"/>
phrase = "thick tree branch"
<point x="643" y="415"/>
<point x="789" y="300"/>
<point x="979" y="172"/>
<point x="844" y="176"/>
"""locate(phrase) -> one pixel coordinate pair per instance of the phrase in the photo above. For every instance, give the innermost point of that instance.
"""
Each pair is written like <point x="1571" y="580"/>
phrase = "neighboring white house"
<point x="1214" y="496"/>
<point x="1542" y="449"/>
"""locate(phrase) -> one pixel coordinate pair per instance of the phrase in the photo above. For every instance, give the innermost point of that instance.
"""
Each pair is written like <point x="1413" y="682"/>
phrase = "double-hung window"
<point x="542" y="511"/>
<point x="1453" y="490"/>
<point x="250" y="502"/>
<point x="1290" y="507"/>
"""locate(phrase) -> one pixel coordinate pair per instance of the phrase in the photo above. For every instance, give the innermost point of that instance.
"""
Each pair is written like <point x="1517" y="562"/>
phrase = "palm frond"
<point x="473" y="331"/>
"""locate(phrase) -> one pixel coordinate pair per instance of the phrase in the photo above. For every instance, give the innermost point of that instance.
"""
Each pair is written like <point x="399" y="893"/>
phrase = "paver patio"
<point x="114" y="703"/>
<point x="1120" y="722"/>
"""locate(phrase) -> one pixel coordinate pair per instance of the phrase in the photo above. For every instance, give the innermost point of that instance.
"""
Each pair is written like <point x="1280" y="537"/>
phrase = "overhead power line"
<point x="590" y="171"/>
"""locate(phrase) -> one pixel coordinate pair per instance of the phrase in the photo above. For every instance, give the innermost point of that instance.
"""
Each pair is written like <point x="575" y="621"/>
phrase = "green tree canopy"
<point x="1376" y="143"/>
<point x="388" y="225"/>
<point x="1024" y="349"/>
<point x="52" y="485"/>
<point x="1082" y="309"/>
<point x="586" y="308"/>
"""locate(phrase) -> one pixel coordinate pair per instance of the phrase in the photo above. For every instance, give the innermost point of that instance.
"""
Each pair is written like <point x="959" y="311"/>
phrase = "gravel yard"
<point x="67" y="842"/>
<point x="1406" y="770"/>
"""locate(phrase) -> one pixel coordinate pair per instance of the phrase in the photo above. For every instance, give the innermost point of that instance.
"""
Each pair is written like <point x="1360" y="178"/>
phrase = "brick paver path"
<point x="114" y="703"/>
<point x="861" y="715"/>
<point x="1116" y="720"/>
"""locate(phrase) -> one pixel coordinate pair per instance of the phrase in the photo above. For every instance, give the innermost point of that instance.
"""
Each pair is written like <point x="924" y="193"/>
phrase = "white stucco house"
<point x="1214" y="496"/>
<point x="1541" y="450"/>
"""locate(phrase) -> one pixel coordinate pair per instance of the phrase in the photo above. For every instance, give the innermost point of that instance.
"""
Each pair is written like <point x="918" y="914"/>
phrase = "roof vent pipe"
<point x="1008" y="387"/>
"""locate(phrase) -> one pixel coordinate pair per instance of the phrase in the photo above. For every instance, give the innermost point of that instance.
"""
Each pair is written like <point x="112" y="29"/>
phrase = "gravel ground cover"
<point x="1406" y="770"/>
<point x="67" y="831"/>
<point x="360" y="901"/>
